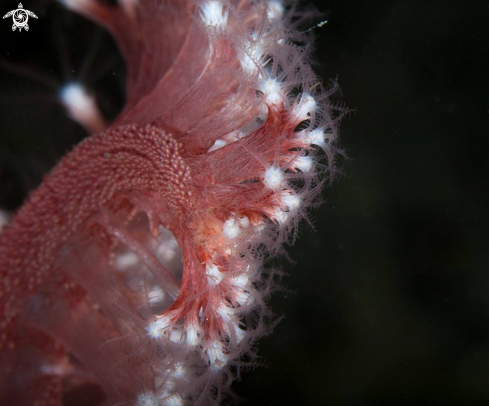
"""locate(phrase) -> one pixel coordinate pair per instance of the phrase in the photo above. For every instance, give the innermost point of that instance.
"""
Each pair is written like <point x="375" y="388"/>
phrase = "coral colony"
<point x="140" y="264"/>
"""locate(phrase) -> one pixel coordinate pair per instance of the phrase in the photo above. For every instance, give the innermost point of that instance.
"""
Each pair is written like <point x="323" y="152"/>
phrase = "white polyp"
<point x="217" y="358"/>
<point x="275" y="10"/>
<point x="251" y="269"/>
<point x="147" y="399"/>
<point x="272" y="91"/>
<point x="230" y="228"/>
<point x="304" y="163"/>
<point x="281" y="216"/>
<point x="192" y="334"/>
<point x="273" y="178"/>
<point x="176" y="334"/>
<point x="259" y="229"/>
<point x="305" y="107"/>
<point x="240" y="289"/>
<point x="217" y="145"/>
<point x="241" y="281"/>
<point x="240" y="296"/>
<point x="226" y="312"/>
<point x="126" y="260"/>
<point x="82" y="107"/>
<point x="239" y="333"/>
<point x="316" y="137"/>
<point x="244" y="221"/>
<point x="156" y="296"/>
<point x="214" y="275"/>
<point x="213" y="13"/>
<point x="291" y="201"/>
<point x="178" y="370"/>
<point x="168" y="247"/>
<point x="232" y="329"/>
<point x="156" y="328"/>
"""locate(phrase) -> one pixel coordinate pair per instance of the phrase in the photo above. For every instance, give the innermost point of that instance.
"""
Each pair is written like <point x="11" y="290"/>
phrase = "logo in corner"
<point x="20" y="17"/>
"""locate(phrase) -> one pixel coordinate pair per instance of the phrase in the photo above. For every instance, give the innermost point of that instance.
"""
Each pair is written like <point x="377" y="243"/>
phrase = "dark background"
<point x="390" y="301"/>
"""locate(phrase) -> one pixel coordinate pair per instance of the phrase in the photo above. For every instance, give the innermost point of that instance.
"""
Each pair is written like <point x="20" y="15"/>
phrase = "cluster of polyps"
<point x="249" y="125"/>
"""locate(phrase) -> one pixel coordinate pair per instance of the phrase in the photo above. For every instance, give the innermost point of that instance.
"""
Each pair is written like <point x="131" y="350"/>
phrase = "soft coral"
<point x="208" y="147"/>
